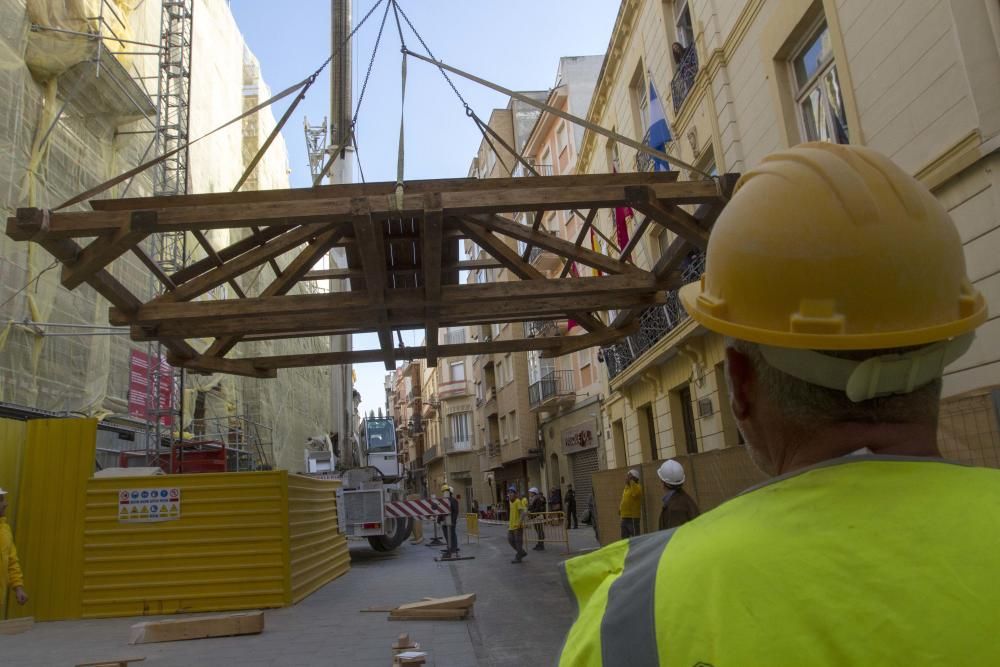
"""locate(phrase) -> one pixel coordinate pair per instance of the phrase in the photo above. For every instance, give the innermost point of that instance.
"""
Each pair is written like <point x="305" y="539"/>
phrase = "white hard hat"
<point x="634" y="473"/>
<point x="533" y="489"/>
<point x="671" y="472"/>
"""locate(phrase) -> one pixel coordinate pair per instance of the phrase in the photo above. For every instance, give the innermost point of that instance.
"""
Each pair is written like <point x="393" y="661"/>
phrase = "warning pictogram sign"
<point x="144" y="505"/>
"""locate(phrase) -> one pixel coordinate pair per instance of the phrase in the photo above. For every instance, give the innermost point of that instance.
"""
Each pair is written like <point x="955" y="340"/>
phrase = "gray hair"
<point x="805" y="403"/>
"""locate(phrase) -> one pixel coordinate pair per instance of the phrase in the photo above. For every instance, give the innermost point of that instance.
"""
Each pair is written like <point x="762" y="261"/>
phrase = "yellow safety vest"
<point x="866" y="560"/>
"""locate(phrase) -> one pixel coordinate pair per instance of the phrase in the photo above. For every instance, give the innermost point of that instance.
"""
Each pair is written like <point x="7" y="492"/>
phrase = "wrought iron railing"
<point x="683" y="81"/>
<point x="542" y="169"/>
<point x="654" y="323"/>
<point x="431" y="453"/>
<point x="555" y="383"/>
<point x="493" y="450"/>
<point x="540" y="328"/>
<point x="451" y="444"/>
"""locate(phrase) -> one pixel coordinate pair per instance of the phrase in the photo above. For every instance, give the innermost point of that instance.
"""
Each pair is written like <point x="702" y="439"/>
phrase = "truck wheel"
<point x="396" y="530"/>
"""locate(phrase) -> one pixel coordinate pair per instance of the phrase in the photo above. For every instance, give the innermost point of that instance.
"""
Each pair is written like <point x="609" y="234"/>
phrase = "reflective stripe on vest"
<point x="831" y="565"/>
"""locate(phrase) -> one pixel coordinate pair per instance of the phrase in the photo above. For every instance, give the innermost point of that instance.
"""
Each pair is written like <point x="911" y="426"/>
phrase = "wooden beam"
<point x="235" y="267"/>
<point x="285" y="281"/>
<point x="504" y="195"/>
<point x="572" y="344"/>
<point x="588" y="221"/>
<point x="344" y="274"/>
<point x="406" y="353"/>
<point x="634" y="241"/>
<point x="430" y="255"/>
<point x="106" y="249"/>
<point x="371" y="245"/>
<point x="523" y="270"/>
<point x="485" y="296"/>
<point x="202" y="364"/>
<point x="535" y="224"/>
<point x="675" y="219"/>
<point x="562" y="247"/>
<point x="229" y="252"/>
<point x="214" y="256"/>
<point x="405" y="316"/>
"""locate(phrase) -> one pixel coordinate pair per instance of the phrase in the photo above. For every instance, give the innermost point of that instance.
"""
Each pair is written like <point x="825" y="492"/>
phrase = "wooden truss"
<point x="404" y="263"/>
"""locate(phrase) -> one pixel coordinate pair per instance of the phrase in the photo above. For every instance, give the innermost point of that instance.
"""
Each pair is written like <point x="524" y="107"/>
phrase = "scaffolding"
<point x="169" y="249"/>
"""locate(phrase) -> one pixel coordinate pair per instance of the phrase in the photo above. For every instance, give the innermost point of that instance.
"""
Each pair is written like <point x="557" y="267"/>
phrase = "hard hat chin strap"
<point x="883" y="375"/>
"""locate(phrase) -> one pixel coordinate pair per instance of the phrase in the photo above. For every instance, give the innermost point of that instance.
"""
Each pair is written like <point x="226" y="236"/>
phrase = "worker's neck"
<point x="806" y="447"/>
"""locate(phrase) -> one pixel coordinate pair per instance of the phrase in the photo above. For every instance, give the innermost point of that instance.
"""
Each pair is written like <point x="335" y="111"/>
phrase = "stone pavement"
<point x="522" y="613"/>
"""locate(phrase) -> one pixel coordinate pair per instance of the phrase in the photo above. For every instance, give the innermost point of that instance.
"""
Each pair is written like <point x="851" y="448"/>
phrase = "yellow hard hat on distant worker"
<point x="833" y="247"/>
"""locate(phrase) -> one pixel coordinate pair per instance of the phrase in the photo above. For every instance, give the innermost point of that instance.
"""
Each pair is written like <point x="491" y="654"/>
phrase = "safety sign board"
<point x="143" y="505"/>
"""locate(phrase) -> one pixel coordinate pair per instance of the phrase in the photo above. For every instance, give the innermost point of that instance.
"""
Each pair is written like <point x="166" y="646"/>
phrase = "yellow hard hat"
<point x="831" y="247"/>
<point x="445" y="487"/>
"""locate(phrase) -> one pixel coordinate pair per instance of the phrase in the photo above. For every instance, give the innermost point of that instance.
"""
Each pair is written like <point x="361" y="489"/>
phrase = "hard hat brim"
<point x="689" y="295"/>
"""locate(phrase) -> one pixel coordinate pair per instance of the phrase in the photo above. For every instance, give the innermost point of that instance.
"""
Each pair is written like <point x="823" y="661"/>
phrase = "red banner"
<point x="140" y="401"/>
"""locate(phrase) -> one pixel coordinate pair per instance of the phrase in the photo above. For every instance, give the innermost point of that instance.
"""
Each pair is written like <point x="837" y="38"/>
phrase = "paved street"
<point x="522" y="613"/>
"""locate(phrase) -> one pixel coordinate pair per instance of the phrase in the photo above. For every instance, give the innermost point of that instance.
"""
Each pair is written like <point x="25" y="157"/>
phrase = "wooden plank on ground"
<point x="428" y="614"/>
<point x="115" y="662"/>
<point x="16" y="626"/>
<point x="455" y="602"/>
<point x="198" y="627"/>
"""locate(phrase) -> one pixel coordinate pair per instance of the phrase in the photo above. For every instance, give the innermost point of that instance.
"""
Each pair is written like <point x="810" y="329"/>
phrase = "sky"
<point x="515" y="43"/>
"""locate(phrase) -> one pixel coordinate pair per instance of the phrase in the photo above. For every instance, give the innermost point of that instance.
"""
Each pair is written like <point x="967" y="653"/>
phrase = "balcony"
<point x="654" y="323"/>
<point x="453" y="446"/>
<point x="491" y="401"/>
<point x="538" y="328"/>
<point x="542" y="169"/>
<point x="430" y="406"/>
<point x="489" y="457"/>
<point x="432" y="453"/>
<point x="684" y="76"/>
<point x="413" y="395"/>
<point x="453" y="389"/>
<point x="552" y="391"/>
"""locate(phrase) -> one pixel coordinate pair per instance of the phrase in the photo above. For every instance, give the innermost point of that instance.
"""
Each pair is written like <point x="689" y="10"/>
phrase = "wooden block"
<point x="428" y="614"/>
<point x="16" y="626"/>
<point x="198" y="627"/>
<point x="455" y="602"/>
<point x="117" y="662"/>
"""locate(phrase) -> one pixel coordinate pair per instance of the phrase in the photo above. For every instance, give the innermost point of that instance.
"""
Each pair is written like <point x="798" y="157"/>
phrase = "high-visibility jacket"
<point x="631" y="504"/>
<point x="10" y="568"/>
<point x="866" y="560"/>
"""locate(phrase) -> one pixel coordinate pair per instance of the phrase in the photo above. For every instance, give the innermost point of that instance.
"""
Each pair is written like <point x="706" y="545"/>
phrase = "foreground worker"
<point x="868" y="549"/>
<point x="515" y="523"/>
<point x="10" y="568"/>
<point x="630" y="508"/>
<point x="678" y="506"/>
<point x="449" y="522"/>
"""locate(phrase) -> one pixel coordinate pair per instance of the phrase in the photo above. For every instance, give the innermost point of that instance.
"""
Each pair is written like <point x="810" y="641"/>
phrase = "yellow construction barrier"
<point x="546" y="528"/>
<point x="471" y="527"/>
<point x="129" y="546"/>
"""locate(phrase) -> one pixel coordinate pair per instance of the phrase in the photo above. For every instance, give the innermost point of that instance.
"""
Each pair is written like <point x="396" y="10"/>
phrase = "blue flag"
<point x="659" y="132"/>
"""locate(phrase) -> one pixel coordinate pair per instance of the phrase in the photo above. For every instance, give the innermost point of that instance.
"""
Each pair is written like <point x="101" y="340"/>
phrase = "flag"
<point x="595" y="248"/>
<point x="659" y="131"/>
<point x="622" y="215"/>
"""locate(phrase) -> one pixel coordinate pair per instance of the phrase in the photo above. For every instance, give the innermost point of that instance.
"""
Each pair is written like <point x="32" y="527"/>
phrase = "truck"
<point x="367" y="488"/>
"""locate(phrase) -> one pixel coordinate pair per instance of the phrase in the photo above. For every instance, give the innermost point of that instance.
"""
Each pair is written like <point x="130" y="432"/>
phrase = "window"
<point x="682" y="23"/>
<point x="562" y="137"/>
<point x="457" y="370"/>
<point x="509" y="367"/>
<point x="503" y="429"/>
<point x="512" y="425"/>
<point x="818" y="96"/>
<point x="461" y="432"/>
<point x="639" y="92"/>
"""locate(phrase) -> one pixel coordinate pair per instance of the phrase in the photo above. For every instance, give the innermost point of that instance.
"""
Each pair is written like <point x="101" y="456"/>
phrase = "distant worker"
<point x="678" y="506"/>
<point x="840" y="282"/>
<point x="555" y="499"/>
<point x="518" y="509"/>
<point x="450" y="522"/>
<point x="571" y="508"/>
<point x="630" y="508"/>
<point x="536" y="507"/>
<point x="10" y="568"/>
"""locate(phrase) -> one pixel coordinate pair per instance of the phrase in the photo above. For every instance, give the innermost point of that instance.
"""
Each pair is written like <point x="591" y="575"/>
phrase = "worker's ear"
<point x="740" y="378"/>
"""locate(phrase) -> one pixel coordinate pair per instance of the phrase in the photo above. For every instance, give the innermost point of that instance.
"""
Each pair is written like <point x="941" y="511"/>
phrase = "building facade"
<point x="916" y="80"/>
